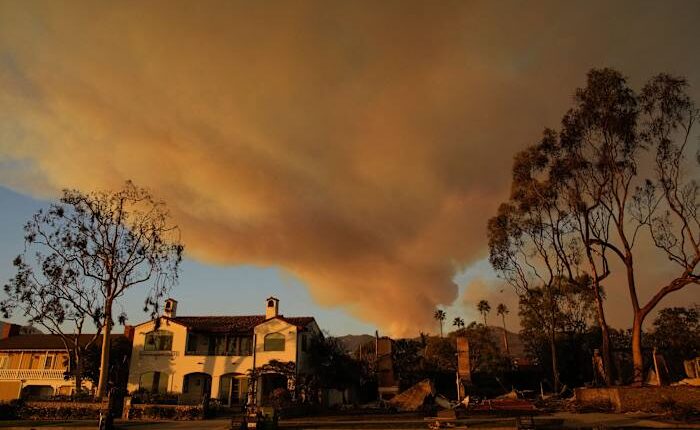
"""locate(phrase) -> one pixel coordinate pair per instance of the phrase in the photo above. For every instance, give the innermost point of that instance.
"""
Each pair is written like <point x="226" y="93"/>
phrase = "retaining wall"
<point x="630" y="399"/>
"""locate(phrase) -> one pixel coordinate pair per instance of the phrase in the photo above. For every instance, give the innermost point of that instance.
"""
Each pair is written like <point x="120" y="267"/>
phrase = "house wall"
<point x="13" y="375"/>
<point x="311" y="331"/>
<point x="176" y="364"/>
<point x="9" y="390"/>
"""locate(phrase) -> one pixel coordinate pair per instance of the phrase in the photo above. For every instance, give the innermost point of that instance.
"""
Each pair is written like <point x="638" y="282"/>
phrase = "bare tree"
<point x="612" y="128"/>
<point x="591" y="173"/>
<point x="531" y="239"/>
<point x="109" y="241"/>
<point x="669" y="204"/>
<point x="53" y="296"/>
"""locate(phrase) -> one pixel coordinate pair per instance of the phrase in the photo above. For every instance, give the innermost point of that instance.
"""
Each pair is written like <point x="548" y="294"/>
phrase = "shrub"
<point x="11" y="410"/>
<point x="146" y="398"/>
<point x="58" y="411"/>
<point x="157" y="412"/>
<point x="280" y="398"/>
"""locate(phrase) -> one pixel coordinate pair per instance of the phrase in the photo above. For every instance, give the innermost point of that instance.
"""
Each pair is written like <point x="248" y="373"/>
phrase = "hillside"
<point x="352" y="341"/>
<point x="517" y="347"/>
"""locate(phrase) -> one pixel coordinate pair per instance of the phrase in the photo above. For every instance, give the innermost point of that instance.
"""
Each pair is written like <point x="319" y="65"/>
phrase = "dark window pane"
<point x="274" y="342"/>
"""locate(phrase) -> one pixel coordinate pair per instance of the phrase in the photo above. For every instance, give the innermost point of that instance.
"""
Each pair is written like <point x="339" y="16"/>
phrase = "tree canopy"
<point x="85" y="251"/>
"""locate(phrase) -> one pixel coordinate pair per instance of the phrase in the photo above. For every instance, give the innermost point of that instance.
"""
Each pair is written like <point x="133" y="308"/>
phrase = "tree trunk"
<point x="555" y="365"/>
<point x="606" y="353"/>
<point x="637" y="357"/>
<point x="607" y="356"/>
<point x="78" y="372"/>
<point x="505" y="337"/>
<point x="104" y="356"/>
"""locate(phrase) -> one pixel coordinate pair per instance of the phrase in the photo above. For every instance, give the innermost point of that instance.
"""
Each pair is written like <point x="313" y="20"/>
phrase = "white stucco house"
<point x="199" y="356"/>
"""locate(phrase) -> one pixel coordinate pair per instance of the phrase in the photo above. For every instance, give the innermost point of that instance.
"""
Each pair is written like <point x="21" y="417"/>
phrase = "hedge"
<point x="165" y="412"/>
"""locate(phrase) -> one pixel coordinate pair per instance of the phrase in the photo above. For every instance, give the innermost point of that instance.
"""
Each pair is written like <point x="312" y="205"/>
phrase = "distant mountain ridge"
<point x="516" y="346"/>
<point x="351" y="342"/>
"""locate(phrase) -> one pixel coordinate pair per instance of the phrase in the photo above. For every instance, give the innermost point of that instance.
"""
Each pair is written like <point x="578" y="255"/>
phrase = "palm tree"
<point x="458" y="322"/>
<point x="484" y="308"/>
<point x="440" y="315"/>
<point x="502" y="310"/>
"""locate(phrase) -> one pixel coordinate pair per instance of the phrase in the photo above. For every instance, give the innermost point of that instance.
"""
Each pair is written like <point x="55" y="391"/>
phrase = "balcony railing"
<point x="31" y="374"/>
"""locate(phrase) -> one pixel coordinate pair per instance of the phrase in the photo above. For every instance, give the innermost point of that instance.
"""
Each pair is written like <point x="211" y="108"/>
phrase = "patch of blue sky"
<point x="203" y="289"/>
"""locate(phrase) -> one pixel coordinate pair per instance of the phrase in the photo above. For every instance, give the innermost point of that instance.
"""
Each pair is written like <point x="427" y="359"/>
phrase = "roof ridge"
<point x="238" y="316"/>
<point x="217" y="316"/>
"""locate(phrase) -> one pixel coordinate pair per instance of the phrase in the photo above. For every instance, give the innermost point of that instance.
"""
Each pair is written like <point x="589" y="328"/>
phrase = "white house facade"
<point x="211" y="356"/>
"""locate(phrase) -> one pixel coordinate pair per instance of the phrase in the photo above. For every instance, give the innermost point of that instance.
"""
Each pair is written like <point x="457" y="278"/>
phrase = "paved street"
<point x="557" y="420"/>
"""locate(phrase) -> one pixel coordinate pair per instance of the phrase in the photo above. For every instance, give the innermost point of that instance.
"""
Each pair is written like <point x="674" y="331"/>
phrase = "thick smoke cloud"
<point x="361" y="146"/>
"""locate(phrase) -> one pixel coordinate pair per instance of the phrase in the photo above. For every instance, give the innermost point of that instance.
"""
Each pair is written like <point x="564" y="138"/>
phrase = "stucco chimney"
<point x="9" y="330"/>
<point x="170" y="308"/>
<point x="272" y="307"/>
<point x="129" y="332"/>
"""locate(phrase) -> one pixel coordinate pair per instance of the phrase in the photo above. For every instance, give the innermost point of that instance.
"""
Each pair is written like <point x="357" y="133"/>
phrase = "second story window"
<point x="217" y="345"/>
<point x="274" y="342"/>
<point x="159" y="340"/>
<point x="192" y="343"/>
<point x="48" y="364"/>
<point x="36" y="361"/>
<point x="245" y="345"/>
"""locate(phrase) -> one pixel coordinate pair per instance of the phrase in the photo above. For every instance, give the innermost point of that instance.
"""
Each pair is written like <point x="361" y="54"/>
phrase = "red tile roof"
<point x="235" y="324"/>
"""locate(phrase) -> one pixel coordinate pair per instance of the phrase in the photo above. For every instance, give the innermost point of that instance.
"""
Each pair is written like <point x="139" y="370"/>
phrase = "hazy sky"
<point x="343" y="155"/>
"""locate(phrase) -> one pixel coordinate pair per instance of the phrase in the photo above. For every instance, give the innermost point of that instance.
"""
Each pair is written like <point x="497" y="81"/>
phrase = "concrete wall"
<point x="630" y="399"/>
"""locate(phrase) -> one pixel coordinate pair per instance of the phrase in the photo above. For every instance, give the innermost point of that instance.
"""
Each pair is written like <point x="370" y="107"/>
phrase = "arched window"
<point x="159" y="340"/>
<point x="274" y="342"/>
<point x="154" y="382"/>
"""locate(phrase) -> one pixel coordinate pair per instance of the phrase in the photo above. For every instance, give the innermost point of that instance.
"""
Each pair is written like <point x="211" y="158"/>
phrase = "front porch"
<point x="34" y="384"/>
<point x="230" y="389"/>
